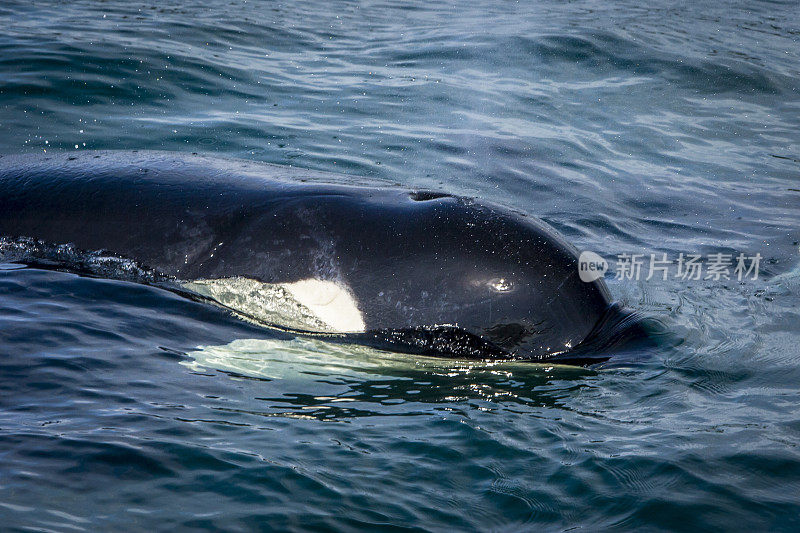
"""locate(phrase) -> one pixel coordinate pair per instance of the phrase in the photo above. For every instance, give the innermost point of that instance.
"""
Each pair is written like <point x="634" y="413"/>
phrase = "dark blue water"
<point x="669" y="128"/>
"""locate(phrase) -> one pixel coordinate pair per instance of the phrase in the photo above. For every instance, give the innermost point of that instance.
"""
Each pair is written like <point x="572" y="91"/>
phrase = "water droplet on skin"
<point x="500" y="284"/>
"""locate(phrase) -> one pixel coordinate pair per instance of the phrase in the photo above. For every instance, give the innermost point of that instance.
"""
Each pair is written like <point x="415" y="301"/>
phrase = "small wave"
<point x="68" y="257"/>
<point x="607" y="52"/>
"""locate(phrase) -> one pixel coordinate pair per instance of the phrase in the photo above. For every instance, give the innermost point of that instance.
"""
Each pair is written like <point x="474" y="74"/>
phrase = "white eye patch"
<point x="309" y="304"/>
<point x="330" y="302"/>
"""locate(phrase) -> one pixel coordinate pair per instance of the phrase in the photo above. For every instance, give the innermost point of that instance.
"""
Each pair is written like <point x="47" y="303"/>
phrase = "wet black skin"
<point x="432" y="273"/>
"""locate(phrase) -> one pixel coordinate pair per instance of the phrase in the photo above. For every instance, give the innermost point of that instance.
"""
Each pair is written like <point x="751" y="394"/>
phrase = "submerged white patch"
<point x="329" y="301"/>
<point x="306" y="305"/>
<point x="302" y="359"/>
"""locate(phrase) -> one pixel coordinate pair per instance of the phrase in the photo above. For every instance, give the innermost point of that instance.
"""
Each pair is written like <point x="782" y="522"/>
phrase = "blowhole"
<point x="424" y="196"/>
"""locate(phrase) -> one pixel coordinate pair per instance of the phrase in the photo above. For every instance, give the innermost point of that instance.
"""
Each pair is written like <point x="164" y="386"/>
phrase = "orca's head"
<point x="503" y="277"/>
<point x="530" y="298"/>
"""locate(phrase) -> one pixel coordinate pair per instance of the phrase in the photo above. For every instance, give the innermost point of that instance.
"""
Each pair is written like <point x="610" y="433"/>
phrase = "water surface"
<point x="669" y="128"/>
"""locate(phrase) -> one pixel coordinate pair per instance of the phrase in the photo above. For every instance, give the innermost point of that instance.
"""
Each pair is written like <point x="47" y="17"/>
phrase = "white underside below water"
<point x="305" y="359"/>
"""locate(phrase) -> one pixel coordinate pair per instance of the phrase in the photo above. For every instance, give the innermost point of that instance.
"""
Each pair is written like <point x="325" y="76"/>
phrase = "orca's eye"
<point x="500" y="285"/>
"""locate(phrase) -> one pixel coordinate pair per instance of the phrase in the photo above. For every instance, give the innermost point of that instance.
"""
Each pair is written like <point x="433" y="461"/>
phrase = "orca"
<point x="309" y="252"/>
